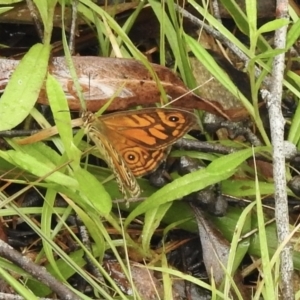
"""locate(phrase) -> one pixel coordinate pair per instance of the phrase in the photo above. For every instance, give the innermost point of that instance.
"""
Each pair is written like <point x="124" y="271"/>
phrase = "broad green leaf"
<point x="61" y="113"/>
<point x="5" y="9"/>
<point x="219" y="170"/>
<point x="8" y="2"/>
<point x="230" y="162"/>
<point x="272" y="25"/>
<point x="39" y="151"/>
<point x="37" y="167"/>
<point x="24" y="87"/>
<point x="91" y="188"/>
<point x="244" y="188"/>
<point x="152" y="221"/>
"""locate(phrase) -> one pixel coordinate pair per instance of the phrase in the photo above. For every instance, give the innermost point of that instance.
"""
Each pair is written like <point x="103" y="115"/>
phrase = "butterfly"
<point x="135" y="143"/>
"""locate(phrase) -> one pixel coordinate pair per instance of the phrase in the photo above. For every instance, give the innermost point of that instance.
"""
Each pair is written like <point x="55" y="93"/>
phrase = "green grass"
<point x="60" y="173"/>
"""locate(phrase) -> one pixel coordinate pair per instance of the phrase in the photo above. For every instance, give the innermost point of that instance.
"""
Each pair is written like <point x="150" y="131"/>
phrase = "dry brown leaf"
<point x="100" y="78"/>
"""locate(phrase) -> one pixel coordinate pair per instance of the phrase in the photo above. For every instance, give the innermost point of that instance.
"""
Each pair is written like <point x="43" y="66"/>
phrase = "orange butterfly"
<point x="134" y="143"/>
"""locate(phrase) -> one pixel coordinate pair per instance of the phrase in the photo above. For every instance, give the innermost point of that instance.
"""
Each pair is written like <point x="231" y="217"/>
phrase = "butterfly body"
<point x="134" y="143"/>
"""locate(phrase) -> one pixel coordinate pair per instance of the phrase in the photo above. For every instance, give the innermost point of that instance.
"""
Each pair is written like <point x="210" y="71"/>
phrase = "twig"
<point x="203" y="146"/>
<point x="277" y="135"/>
<point x="221" y="38"/>
<point x="215" y="33"/>
<point x="216" y="10"/>
<point x="38" y="272"/>
<point x="35" y="16"/>
<point x="85" y="238"/>
<point x="73" y="27"/>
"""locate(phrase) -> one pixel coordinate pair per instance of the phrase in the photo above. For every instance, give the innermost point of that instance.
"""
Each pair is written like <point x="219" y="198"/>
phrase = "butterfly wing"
<point x="151" y="128"/>
<point x="126" y="153"/>
<point x="127" y="183"/>
<point x="143" y="137"/>
<point x="134" y="143"/>
<point x="140" y="160"/>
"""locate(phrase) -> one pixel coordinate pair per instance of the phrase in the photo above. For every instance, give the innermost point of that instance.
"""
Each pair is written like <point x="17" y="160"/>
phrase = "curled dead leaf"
<point x="100" y="78"/>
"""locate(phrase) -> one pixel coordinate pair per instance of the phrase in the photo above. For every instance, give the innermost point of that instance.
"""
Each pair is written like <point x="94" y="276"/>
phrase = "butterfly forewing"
<point x="151" y="128"/>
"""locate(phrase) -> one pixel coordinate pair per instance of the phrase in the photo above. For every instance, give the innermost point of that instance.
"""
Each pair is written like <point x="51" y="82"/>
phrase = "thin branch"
<point x="38" y="272"/>
<point x="35" y="16"/>
<point x="221" y="38"/>
<point x="215" y="33"/>
<point x="73" y="27"/>
<point x="216" y="10"/>
<point x="277" y="135"/>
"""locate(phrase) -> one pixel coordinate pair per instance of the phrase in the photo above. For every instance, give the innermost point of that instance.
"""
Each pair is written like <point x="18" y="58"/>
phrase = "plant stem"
<point x="277" y="136"/>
